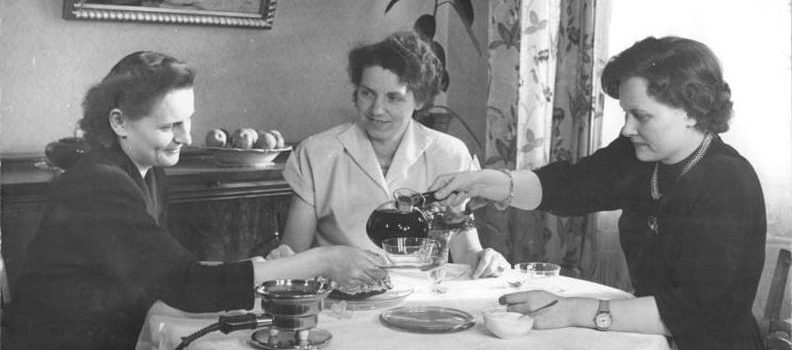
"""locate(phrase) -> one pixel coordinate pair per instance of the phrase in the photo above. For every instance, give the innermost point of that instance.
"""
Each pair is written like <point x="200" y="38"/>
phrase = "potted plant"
<point x="439" y="117"/>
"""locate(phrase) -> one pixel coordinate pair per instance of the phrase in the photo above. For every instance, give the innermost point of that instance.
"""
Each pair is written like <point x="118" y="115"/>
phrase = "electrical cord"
<point x="228" y="324"/>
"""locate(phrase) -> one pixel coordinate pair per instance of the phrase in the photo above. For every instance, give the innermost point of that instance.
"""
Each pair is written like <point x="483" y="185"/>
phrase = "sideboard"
<point x="219" y="213"/>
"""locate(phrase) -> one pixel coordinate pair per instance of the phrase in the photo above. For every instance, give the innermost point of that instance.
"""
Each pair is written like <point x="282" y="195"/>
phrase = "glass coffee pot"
<point x="413" y="214"/>
<point x="401" y="217"/>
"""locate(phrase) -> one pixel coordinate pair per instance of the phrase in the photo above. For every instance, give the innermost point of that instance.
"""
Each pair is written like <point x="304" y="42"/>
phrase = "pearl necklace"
<point x="652" y="222"/>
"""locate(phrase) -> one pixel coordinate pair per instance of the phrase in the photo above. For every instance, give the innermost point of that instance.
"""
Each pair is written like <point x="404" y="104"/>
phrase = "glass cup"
<point x="538" y="272"/>
<point x="517" y="276"/>
<point x="408" y="251"/>
<point x="538" y="269"/>
<point x="435" y="267"/>
<point x="443" y="238"/>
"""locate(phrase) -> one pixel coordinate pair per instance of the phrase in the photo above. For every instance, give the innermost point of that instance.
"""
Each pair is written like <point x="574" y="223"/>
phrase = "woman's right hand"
<point x="456" y="188"/>
<point x="351" y="266"/>
<point x="280" y="252"/>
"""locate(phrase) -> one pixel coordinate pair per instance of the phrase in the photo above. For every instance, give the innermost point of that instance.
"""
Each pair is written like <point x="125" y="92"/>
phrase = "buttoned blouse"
<point x="337" y="173"/>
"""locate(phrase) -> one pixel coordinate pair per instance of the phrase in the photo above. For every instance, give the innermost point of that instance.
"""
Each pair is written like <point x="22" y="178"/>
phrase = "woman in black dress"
<point x="693" y="217"/>
<point x="101" y="256"/>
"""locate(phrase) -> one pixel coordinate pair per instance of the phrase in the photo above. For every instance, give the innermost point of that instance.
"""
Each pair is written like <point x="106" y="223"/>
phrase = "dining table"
<point x="360" y="326"/>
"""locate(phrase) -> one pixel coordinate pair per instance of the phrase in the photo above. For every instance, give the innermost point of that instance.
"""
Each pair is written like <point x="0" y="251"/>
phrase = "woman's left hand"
<point x="490" y="264"/>
<point x="531" y="303"/>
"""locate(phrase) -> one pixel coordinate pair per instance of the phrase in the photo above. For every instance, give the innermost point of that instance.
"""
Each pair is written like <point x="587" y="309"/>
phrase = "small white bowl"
<point x="507" y="325"/>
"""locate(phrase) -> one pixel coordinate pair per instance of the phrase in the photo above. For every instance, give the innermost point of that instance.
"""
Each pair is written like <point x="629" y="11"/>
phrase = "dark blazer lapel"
<point x="151" y="196"/>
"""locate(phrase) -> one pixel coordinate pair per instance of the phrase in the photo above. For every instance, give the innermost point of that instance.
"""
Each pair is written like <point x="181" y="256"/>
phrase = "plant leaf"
<point x="462" y="121"/>
<point x="444" y="81"/>
<point x="585" y="57"/>
<point x="475" y="41"/>
<point x="439" y="52"/>
<point x="495" y="43"/>
<point x="502" y="148"/>
<point x="426" y="25"/>
<point x="390" y="4"/>
<point x="533" y="17"/>
<point x="465" y="11"/>
<point x="504" y="32"/>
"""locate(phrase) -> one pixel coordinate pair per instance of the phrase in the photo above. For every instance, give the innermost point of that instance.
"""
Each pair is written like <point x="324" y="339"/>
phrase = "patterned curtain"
<point x="544" y="105"/>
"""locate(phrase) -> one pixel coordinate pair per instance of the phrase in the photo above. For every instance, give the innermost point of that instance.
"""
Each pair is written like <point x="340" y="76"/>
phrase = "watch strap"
<point x="603" y="319"/>
<point x="604" y="306"/>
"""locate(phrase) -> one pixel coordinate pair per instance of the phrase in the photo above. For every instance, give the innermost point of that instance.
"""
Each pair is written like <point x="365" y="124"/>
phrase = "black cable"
<point x="200" y="333"/>
<point x="228" y="324"/>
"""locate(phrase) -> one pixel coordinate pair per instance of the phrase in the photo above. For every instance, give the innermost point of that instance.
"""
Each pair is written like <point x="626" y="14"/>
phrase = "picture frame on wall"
<point x="229" y="13"/>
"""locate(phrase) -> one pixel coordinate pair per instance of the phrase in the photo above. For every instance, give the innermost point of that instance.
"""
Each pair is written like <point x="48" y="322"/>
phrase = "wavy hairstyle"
<point x="407" y="55"/>
<point x="134" y="85"/>
<point x="681" y="73"/>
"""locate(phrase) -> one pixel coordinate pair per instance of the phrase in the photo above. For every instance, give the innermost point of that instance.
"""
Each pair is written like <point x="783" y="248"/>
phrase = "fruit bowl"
<point x="67" y="151"/>
<point x="245" y="157"/>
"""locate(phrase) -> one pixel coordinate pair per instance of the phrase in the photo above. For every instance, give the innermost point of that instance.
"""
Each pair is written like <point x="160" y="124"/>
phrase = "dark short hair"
<point x="681" y="73"/>
<point x="407" y="55"/>
<point x="134" y="85"/>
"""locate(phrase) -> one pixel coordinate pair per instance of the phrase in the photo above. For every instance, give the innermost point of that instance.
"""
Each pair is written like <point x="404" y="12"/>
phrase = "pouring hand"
<point x="455" y="188"/>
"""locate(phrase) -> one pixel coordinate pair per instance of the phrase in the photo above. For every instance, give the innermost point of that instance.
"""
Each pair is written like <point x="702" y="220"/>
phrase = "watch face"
<point x="603" y="320"/>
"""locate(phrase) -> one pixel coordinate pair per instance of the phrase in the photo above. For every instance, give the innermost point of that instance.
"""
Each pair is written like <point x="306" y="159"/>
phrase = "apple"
<point x="244" y="138"/>
<point x="280" y="142"/>
<point x="267" y="140"/>
<point x="216" y="138"/>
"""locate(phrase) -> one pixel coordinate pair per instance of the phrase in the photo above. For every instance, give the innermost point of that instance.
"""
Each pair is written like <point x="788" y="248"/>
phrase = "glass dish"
<point x="408" y="252"/>
<point x="427" y="319"/>
<point x="538" y="269"/>
<point x="395" y="295"/>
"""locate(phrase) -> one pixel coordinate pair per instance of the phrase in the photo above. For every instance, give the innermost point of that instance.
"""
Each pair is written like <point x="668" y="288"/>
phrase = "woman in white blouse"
<point x="341" y="175"/>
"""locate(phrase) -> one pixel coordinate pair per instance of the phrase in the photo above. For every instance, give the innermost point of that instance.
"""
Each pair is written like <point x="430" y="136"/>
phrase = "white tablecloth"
<point x="165" y="326"/>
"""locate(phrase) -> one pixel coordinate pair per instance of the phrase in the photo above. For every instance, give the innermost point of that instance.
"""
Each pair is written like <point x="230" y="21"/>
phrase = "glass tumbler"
<point x="435" y="266"/>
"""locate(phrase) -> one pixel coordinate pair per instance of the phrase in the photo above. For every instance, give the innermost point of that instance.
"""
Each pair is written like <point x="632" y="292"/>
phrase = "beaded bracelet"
<point x="503" y="205"/>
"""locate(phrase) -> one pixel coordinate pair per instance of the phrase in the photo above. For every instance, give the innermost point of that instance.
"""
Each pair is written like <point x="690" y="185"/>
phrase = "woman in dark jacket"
<point x="693" y="217"/>
<point x="101" y="256"/>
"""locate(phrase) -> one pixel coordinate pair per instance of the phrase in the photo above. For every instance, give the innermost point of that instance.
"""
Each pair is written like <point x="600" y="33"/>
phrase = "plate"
<point x="452" y="272"/>
<point x="427" y="319"/>
<point x="245" y="157"/>
<point x="393" y="296"/>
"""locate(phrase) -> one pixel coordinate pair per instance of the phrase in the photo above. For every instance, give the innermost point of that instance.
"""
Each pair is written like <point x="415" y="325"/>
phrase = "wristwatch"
<point x="603" y="318"/>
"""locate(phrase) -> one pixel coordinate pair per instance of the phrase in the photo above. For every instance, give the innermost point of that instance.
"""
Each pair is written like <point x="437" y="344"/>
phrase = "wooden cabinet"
<point x="227" y="213"/>
<point x="23" y="195"/>
<point x="218" y="213"/>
